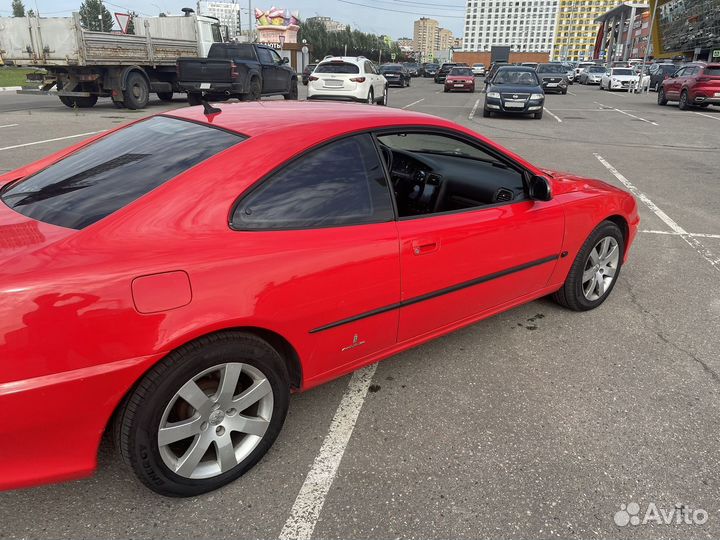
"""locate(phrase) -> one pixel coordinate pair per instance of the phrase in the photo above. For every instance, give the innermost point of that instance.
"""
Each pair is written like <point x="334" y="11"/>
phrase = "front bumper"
<point x="398" y="81"/>
<point x="212" y="88"/>
<point x="451" y="86"/>
<point x="506" y="106"/>
<point x="554" y="86"/>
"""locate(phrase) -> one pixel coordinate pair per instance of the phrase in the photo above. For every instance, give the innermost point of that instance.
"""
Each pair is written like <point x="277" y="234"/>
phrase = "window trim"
<point x="289" y="162"/>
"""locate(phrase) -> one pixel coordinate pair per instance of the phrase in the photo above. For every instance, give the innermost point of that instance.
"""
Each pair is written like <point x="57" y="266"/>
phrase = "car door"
<point x="457" y="264"/>
<point x="327" y="223"/>
<point x="270" y="69"/>
<point x="377" y="81"/>
<point x="673" y="84"/>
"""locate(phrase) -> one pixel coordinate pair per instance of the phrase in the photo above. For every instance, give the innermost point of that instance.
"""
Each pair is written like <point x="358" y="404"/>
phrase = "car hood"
<point x="515" y="89"/>
<point x="552" y="75"/>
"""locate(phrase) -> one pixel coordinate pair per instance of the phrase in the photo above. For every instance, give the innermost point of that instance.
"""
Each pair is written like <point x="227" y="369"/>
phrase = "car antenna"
<point x="209" y="109"/>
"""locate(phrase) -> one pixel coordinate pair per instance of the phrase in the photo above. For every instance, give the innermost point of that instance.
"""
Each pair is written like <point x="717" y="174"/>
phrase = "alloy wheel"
<point x="215" y="420"/>
<point x="600" y="268"/>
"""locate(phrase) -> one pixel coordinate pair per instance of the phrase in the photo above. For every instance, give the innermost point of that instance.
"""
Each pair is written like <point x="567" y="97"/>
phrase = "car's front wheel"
<point x="204" y="415"/>
<point x="683" y="104"/>
<point x="595" y="269"/>
<point x="662" y="98"/>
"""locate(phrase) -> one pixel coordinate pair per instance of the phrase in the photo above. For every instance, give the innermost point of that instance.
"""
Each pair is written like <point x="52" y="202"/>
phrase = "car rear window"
<point x="596" y="69"/>
<point x="242" y="52"/>
<point x="337" y="67"/>
<point x="461" y="71"/>
<point x="669" y="68"/>
<point x="712" y="71"/>
<point x="112" y="172"/>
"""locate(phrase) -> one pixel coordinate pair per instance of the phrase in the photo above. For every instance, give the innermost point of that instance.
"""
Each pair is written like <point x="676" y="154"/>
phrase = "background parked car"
<point x="413" y="68"/>
<point x="443" y="71"/>
<point x="460" y="78"/>
<point x="694" y="85"/>
<point x="592" y="75"/>
<point x="430" y="69"/>
<point x="515" y="90"/>
<point x="478" y="70"/>
<point x="306" y="73"/>
<point x="532" y="65"/>
<point x="582" y="66"/>
<point x="659" y="72"/>
<point x="553" y="77"/>
<point x="618" y="79"/>
<point x="350" y="78"/>
<point x="396" y="75"/>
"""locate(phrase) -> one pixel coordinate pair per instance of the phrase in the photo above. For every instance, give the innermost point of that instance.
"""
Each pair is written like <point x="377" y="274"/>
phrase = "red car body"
<point x="455" y="82"/>
<point x="693" y="84"/>
<point x="85" y="313"/>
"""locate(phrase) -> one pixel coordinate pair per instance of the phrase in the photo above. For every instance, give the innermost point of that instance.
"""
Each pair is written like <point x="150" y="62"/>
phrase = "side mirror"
<point x="540" y="189"/>
<point x="285" y="60"/>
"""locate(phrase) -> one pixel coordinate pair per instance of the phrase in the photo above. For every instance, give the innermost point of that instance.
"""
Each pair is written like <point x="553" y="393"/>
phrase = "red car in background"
<point x="173" y="281"/>
<point x="460" y="78"/>
<point x="693" y="85"/>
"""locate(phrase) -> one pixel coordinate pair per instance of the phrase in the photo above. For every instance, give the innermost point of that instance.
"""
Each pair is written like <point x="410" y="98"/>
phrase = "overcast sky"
<point x="382" y="18"/>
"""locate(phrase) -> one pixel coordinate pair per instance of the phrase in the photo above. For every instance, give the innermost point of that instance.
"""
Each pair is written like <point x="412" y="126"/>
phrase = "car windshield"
<point x="515" y="77"/>
<point x="112" y="172"/>
<point x="551" y="68"/>
<point x="461" y="71"/>
<point x="337" y="67"/>
<point x="596" y="69"/>
<point x="431" y="66"/>
<point x="623" y="71"/>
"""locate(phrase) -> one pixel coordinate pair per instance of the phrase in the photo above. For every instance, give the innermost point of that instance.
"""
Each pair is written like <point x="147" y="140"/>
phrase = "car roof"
<point x="328" y="119"/>
<point x="516" y="68"/>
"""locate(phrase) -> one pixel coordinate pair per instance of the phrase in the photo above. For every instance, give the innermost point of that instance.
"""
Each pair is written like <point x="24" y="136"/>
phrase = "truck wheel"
<point x="254" y="92"/>
<point x="165" y="96"/>
<point x="137" y="91"/>
<point x="293" y="93"/>
<point x="194" y="98"/>
<point x="79" y="102"/>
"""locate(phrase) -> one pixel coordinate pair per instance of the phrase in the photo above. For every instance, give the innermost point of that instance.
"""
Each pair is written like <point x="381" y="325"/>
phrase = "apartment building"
<point x="425" y="32"/>
<point x="576" y="30"/>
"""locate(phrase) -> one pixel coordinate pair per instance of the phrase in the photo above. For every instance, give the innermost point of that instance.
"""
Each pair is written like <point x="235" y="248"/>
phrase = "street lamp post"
<point x="647" y="46"/>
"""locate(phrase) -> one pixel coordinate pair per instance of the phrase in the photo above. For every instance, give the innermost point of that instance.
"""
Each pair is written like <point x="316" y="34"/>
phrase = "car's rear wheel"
<point x="384" y="100"/>
<point x="293" y="93"/>
<point x="683" y="104"/>
<point x="662" y="98"/>
<point x="137" y="91"/>
<point x="83" y="102"/>
<point x="486" y="113"/>
<point x="595" y="269"/>
<point x="254" y="91"/>
<point x="204" y="415"/>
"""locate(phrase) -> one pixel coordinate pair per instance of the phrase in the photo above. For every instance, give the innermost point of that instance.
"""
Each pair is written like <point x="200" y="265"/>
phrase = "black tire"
<point x="409" y="81"/>
<point x="138" y="420"/>
<point x="571" y="294"/>
<point x="164" y="96"/>
<point x="683" y="104"/>
<point x="194" y="98"/>
<point x="254" y="91"/>
<point x="118" y="104"/>
<point x="384" y="100"/>
<point x="538" y="115"/>
<point x="84" y="102"/>
<point x="486" y="113"/>
<point x="662" y="98"/>
<point x="137" y="91"/>
<point x="564" y="91"/>
<point x="370" y="97"/>
<point x="293" y="93"/>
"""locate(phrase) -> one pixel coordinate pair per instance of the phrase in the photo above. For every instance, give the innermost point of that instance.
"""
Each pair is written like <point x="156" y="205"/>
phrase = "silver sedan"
<point x="592" y="75"/>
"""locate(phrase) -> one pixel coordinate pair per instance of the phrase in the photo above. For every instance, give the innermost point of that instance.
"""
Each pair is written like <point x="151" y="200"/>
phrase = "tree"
<point x="90" y="10"/>
<point x="18" y="8"/>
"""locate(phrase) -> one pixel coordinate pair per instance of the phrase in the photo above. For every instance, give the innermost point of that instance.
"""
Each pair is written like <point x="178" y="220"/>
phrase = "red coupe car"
<point x="174" y="280"/>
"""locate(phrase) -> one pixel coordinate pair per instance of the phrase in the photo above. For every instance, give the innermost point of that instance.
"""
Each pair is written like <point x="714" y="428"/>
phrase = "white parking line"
<point x="472" y="113"/>
<point x="9" y="125"/>
<point x="413" y="103"/>
<point x="673" y="233"/>
<point x="555" y="116"/>
<point x="701" y="114"/>
<point x="572" y="93"/>
<point x="310" y="500"/>
<point x="52" y="140"/>
<point x="627" y="114"/>
<point x="690" y="239"/>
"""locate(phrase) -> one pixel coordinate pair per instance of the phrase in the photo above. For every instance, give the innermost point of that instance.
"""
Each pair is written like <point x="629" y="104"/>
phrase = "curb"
<point x="10" y="88"/>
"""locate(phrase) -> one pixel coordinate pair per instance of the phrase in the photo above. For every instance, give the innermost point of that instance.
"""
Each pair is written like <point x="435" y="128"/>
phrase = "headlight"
<point x="494" y="95"/>
<point x="536" y="96"/>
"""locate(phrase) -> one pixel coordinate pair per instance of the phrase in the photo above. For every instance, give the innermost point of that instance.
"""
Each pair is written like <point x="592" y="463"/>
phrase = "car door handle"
<point x="423" y="247"/>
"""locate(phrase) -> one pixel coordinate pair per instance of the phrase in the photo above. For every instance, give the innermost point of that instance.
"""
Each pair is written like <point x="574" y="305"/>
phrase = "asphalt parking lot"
<point x="539" y="422"/>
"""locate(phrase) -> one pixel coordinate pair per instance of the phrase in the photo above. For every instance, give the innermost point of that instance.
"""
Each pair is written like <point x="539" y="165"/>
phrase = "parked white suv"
<point x="353" y="78"/>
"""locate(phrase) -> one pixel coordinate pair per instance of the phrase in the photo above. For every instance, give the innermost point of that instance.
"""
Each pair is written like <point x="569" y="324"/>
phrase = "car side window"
<point x="264" y="55"/>
<point x="340" y="183"/>
<point x="369" y="68"/>
<point x="276" y="58"/>
<point x="680" y="72"/>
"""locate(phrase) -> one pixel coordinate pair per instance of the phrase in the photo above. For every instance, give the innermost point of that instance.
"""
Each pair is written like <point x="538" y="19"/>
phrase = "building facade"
<point x="576" y="29"/>
<point x="690" y="28"/>
<point x="228" y="13"/>
<point x="329" y="24"/>
<point x="524" y="25"/>
<point x="407" y="45"/>
<point x="425" y="33"/>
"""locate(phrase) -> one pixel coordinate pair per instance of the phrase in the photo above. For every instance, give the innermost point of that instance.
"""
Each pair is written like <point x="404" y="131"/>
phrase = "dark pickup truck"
<point x="243" y="70"/>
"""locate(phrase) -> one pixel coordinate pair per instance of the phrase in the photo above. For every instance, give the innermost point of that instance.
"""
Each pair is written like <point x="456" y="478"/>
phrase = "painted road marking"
<point x="472" y="113"/>
<point x="555" y="116"/>
<point x="701" y="114"/>
<point x="691" y="240"/>
<point x="310" y="500"/>
<point x="53" y="140"/>
<point x="9" y="125"/>
<point x="413" y="103"/>
<point x="627" y="114"/>
<point x="673" y="233"/>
